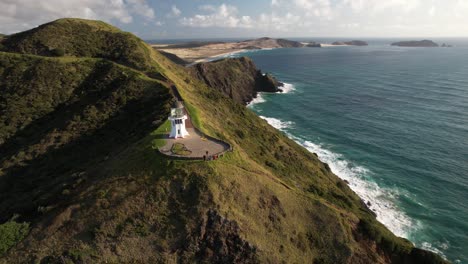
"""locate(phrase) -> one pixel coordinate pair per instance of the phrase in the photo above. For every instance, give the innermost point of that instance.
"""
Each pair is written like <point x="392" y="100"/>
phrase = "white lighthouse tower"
<point x="178" y="118"/>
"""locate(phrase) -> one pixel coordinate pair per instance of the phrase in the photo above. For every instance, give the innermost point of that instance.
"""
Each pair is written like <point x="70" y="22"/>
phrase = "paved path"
<point x="196" y="144"/>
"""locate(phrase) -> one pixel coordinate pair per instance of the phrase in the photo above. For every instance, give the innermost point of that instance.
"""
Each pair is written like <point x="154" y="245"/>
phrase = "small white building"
<point x="177" y="119"/>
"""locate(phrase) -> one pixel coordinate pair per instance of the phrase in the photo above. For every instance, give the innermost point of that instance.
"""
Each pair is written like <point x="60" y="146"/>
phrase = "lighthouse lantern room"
<point x="177" y="119"/>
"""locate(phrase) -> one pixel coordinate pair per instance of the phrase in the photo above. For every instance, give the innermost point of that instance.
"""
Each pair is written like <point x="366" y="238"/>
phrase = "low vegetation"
<point x="180" y="149"/>
<point x="11" y="233"/>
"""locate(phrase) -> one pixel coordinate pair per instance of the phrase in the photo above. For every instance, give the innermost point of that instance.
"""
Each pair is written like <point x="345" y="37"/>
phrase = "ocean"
<point x="392" y="121"/>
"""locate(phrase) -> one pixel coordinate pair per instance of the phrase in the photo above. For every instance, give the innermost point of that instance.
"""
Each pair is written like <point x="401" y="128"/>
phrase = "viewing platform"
<point x="185" y="141"/>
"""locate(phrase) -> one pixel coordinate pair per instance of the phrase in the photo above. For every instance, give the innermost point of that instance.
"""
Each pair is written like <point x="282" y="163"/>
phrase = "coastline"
<point x="370" y="193"/>
<point x="216" y="56"/>
<point x="205" y="54"/>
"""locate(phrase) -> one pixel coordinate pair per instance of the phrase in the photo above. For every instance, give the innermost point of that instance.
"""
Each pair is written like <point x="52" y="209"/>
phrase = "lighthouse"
<point x="177" y="119"/>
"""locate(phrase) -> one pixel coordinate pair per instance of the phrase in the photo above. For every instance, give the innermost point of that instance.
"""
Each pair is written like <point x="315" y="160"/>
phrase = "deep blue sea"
<point x="392" y="121"/>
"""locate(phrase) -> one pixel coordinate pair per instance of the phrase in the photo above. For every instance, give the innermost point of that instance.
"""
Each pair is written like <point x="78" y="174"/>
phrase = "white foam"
<point x="257" y="100"/>
<point x="278" y="124"/>
<point x="430" y="247"/>
<point x="382" y="201"/>
<point x="287" y="88"/>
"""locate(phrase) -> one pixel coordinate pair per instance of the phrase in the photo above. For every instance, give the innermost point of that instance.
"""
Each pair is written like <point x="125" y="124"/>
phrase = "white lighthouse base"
<point x="178" y="129"/>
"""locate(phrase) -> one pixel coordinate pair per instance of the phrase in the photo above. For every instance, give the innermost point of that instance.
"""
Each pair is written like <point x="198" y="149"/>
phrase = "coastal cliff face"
<point x="236" y="78"/>
<point x="81" y="180"/>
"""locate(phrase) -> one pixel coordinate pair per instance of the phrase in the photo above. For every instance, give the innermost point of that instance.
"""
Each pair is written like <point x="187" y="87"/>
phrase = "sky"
<point x="188" y="19"/>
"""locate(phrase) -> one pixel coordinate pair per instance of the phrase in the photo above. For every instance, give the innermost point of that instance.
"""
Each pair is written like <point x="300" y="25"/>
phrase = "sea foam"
<point x="257" y="100"/>
<point x="382" y="201"/>
<point x="287" y="88"/>
<point x="278" y="124"/>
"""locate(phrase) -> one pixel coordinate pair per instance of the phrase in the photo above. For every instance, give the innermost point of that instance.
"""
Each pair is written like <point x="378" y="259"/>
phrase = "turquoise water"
<point x="392" y="121"/>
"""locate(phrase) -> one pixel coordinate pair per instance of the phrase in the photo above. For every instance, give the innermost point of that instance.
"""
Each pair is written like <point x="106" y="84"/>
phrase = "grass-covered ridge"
<point x="81" y="38"/>
<point x="78" y="163"/>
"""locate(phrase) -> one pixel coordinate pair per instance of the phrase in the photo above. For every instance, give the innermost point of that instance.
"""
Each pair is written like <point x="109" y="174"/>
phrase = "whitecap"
<point x="287" y="88"/>
<point x="257" y="100"/>
<point x="381" y="201"/>
<point x="277" y="123"/>
<point x="430" y="247"/>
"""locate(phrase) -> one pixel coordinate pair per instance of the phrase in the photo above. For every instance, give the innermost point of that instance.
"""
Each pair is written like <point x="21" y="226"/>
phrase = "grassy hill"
<point x="82" y="182"/>
<point x="82" y="38"/>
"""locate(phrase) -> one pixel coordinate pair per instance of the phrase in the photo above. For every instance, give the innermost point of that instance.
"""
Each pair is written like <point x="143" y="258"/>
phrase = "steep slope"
<point x="237" y="78"/>
<point x="81" y="171"/>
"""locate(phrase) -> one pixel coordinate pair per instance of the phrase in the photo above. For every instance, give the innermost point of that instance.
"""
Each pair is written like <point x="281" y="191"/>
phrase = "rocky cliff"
<point x="236" y="78"/>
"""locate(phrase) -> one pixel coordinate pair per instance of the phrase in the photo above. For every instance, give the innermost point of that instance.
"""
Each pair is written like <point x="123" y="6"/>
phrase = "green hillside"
<point x="82" y="38"/>
<point x="82" y="182"/>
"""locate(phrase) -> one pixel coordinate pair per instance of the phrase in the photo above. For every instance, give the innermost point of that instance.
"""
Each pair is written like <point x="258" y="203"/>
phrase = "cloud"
<point x="225" y="16"/>
<point x="175" y="12"/>
<point x="18" y="15"/>
<point x="315" y="8"/>
<point x="141" y="8"/>
<point x="378" y="6"/>
<point x="432" y="11"/>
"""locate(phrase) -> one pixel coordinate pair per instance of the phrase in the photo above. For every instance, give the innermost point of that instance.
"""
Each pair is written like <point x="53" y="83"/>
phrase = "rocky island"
<point x="416" y="43"/>
<point x="313" y="45"/>
<point x="82" y="180"/>
<point x="350" y="43"/>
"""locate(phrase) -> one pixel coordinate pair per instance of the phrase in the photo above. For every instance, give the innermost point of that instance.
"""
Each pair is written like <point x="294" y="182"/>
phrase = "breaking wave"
<point x="380" y="200"/>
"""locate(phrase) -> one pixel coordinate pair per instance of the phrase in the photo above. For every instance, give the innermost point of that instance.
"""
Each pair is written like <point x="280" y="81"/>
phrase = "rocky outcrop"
<point x="266" y="43"/>
<point x="415" y="43"/>
<point x="237" y="78"/>
<point x="313" y="45"/>
<point x="357" y="43"/>
<point x="350" y="43"/>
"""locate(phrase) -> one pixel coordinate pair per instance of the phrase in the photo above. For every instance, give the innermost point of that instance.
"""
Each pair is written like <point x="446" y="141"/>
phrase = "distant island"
<point x="416" y="43"/>
<point x="313" y="45"/>
<point x="350" y="43"/>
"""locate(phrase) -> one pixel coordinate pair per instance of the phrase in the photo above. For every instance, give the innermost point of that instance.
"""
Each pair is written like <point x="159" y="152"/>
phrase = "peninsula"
<point x="200" y="51"/>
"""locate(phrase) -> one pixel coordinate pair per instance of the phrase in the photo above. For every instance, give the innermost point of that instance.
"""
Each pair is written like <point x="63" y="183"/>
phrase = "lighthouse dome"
<point x="177" y="104"/>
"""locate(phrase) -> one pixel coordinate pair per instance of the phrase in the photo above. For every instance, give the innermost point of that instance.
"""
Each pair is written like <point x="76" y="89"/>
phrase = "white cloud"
<point x="222" y="16"/>
<point x="432" y="11"/>
<point x="316" y="8"/>
<point x="175" y="12"/>
<point x="378" y="6"/>
<point x="140" y="7"/>
<point x="17" y="15"/>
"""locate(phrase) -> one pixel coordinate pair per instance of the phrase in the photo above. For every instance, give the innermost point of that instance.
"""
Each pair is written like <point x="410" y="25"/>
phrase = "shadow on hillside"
<point x="87" y="93"/>
<point x="26" y="186"/>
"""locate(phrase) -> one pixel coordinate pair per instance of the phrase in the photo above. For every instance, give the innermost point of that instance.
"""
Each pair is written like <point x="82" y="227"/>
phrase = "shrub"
<point x="58" y="52"/>
<point x="11" y="233"/>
